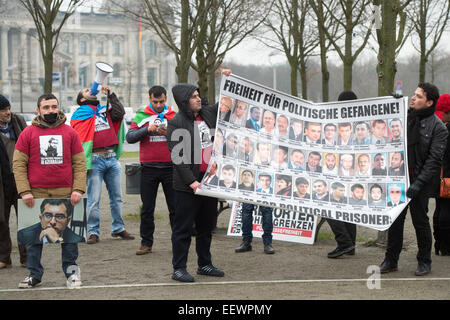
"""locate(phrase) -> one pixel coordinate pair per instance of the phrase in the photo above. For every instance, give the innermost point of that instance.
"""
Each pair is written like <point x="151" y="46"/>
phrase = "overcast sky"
<point x="251" y="51"/>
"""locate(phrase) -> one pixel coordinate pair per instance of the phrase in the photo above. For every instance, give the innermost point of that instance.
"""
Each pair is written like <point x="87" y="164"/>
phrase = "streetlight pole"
<point x="274" y="69"/>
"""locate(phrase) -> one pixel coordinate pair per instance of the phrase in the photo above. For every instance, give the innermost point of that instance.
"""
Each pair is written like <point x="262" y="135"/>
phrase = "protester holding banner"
<point x="11" y="126"/>
<point x="149" y="127"/>
<point x="344" y="233"/>
<point x="190" y="143"/>
<point x="40" y="176"/>
<point x="441" y="216"/>
<point x="102" y="134"/>
<point x="427" y="140"/>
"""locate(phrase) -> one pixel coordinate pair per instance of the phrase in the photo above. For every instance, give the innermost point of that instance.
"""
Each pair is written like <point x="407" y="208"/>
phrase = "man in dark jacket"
<point x="427" y="138"/>
<point x="11" y="125"/>
<point x="344" y="232"/>
<point x="190" y="144"/>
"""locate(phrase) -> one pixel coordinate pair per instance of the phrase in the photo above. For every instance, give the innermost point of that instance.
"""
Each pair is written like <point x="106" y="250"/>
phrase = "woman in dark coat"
<point x="441" y="217"/>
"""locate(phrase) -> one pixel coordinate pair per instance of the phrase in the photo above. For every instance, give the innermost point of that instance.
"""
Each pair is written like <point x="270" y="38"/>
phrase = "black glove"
<point x="413" y="191"/>
<point x="396" y="95"/>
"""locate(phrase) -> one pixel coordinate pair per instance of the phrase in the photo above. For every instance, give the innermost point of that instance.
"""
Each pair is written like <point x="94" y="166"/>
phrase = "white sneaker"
<point x="74" y="281"/>
<point x="29" y="282"/>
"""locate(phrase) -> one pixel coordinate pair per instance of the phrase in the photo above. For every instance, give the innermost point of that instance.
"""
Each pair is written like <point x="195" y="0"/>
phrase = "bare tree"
<point x="295" y="36"/>
<point x="429" y="19"/>
<point x="324" y="23"/>
<point x="390" y="40"/>
<point x="45" y="14"/>
<point x="352" y="17"/>
<point x="229" y="23"/>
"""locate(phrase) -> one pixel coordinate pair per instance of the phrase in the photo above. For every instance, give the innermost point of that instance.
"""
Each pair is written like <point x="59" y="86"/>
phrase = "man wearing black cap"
<point x="11" y="125"/>
<point x="344" y="233"/>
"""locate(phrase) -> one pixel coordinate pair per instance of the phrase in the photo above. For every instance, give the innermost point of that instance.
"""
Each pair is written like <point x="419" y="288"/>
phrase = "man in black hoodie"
<point x="190" y="144"/>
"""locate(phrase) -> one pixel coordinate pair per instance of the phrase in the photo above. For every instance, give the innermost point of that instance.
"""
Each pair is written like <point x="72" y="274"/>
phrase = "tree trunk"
<point x="48" y="60"/>
<point x="387" y="66"/>
<point x="294" y="68"/>
<point x="348" y="76"/>
<point x="324" y="68"/>
<point x="304" y="80"/>
<point x="182" y="68"/>
<point x="212" y="87"/>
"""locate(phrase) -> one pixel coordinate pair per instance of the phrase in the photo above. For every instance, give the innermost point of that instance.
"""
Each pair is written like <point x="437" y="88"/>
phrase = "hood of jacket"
<point x="182" y="92"/>
<point x="39" y="122"/>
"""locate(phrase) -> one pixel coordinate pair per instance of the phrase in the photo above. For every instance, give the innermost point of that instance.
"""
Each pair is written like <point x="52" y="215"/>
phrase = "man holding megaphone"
<point x="102" y="134"/>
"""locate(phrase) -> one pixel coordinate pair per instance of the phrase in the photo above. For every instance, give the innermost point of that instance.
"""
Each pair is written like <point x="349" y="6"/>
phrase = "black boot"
<point x="244" y="247"/>
<point x="423" y="268"/>
<point x="388" y="266"/>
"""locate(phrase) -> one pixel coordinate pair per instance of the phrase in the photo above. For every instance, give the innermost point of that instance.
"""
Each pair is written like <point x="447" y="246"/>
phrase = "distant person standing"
<point x="149" y="128"/>
<point x="441" y="216"/>
<point x="11" y="126"/>
<point x="344" y="232"/>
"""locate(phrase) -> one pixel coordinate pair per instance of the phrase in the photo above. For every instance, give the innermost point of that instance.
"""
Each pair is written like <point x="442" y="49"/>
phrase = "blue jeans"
<point x="247" y="222"/>
<point x="69" y="254"/>
<point x="109" y="170"/>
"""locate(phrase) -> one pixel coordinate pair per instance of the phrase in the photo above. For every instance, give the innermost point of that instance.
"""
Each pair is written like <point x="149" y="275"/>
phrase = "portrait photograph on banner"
<point x="52" y="221"/>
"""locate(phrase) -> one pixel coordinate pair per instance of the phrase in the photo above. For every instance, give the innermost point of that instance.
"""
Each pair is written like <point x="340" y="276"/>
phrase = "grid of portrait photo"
<point x="259" y="152"/>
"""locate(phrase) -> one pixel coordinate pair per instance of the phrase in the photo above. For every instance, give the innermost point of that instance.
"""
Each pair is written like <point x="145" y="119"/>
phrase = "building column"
<point x="24" y="54"/>
<point x="75" y="52"/>
<point x="92" y="60"/>
<point x="4" y="54"/>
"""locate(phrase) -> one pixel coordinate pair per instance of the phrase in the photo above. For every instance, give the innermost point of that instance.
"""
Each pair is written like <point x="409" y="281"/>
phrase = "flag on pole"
<point x="140" y="33"/>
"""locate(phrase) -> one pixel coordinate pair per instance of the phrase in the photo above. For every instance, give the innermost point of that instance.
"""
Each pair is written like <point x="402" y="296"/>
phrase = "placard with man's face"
<point x="52" y="221"/>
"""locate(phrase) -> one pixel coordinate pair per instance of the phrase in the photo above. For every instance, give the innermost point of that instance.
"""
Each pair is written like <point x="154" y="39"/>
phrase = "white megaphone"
<point x="103" y="69"/>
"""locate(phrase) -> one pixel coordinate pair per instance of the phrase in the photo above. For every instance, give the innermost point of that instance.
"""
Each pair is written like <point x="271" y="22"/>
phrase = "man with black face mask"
<point x="58" y="174"/>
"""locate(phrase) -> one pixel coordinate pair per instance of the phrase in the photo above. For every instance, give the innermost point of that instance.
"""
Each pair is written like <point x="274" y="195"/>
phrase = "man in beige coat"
<point x="59" y="174"/>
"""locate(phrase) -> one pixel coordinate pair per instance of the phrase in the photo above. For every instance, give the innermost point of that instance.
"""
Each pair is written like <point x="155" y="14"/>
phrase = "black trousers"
<point x="418" y="208"/>
<point x="190" y="208"/>
<point x="5" y="237"/>
<point x="441" y="226"/>
<point x="344" y="233"/>
<point x="150" y="180"/>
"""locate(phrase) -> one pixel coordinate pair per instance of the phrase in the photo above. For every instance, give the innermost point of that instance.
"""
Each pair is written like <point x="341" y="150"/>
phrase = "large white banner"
<point x="340" y="160"/>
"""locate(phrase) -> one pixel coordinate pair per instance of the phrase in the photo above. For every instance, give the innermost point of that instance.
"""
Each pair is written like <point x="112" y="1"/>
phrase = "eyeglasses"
<point x="58" y="217"/>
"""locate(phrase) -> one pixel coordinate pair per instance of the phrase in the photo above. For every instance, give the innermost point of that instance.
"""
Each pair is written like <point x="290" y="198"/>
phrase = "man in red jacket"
<point x="149" y="128"/>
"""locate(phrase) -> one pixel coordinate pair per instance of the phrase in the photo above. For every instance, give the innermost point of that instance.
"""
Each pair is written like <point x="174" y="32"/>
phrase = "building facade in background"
<point x="86" y="38"/>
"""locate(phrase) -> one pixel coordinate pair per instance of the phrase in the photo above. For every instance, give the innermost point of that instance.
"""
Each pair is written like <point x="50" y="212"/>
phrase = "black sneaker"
<point x="210" y="270"/>
<point x="29" y="282"/>
<point x="182" y="275"/>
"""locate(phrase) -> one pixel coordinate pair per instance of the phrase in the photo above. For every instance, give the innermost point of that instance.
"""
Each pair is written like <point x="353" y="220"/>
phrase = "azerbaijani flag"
<point x="140" y="33"/>
<point x="83" y="122"/>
